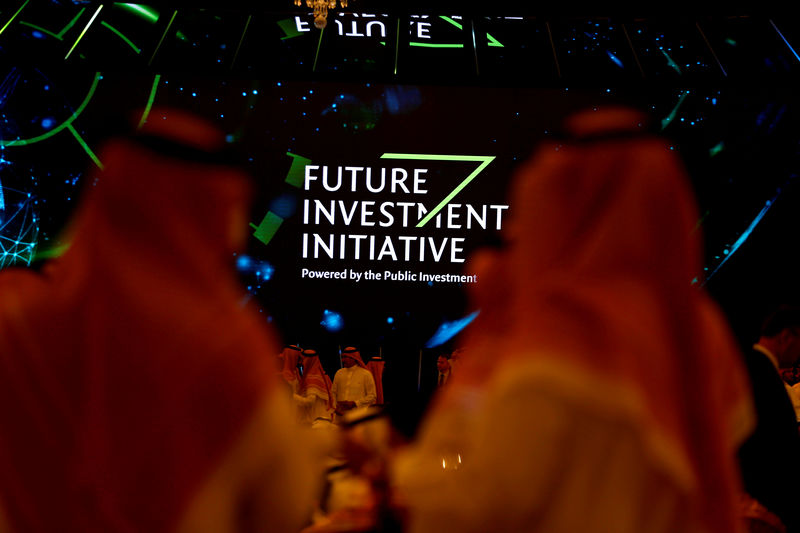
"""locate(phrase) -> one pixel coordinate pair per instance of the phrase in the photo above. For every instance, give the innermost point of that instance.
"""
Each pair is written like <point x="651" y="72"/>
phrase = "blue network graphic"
<point x="19" y="225"/>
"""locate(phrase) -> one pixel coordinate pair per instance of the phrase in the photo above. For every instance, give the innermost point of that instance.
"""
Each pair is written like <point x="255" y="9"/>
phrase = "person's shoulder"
<point x="757" y="362"/>
<point x="20" y="281"/>
<point x="13" y="275"/>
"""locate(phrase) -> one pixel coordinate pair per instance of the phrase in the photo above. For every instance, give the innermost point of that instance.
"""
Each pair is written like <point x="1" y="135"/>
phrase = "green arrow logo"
<point x="484" y="162"/>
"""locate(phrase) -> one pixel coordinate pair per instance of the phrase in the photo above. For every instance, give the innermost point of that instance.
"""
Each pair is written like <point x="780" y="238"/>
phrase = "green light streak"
<point x="241" y="40"/>
<point x="50" y="253"/>
<point x="144" y="12"/>
<point x="435" y="45"/>
<point x="88" y="150"/>
<point x="672" y="63"/>
<point x="71" y="23"/>
<point x="121" y="36"/>
<point x="553" y="47"/>
<point x="39" y="28"/>
<point x="319" y="45"/>
<point x="84" y="31"/>
<point x="150" y="101"/>
<point x="666" y="122"/>
<point x="163" y="36"/>
<point x="701" y="220"/>
<point x="59" y="35"/>
<point x="484" y="159"/>
<point x="451" y="21"/>
<point x="494" y="42"/>
<point x="717" y="149"/>
<point x="13" y="16"/>
<point x="67" y="123"/>
<point x="396" y="46"/>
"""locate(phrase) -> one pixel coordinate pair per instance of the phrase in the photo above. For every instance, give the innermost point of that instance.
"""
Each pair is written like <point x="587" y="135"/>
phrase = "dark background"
<point x="719" y="85"/>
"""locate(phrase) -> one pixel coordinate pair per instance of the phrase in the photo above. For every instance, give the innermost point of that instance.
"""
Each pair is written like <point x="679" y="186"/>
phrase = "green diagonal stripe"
<point x="85" y="146"/>
<point x="85" y="29"/>
<point x="451" y="21"/>
<point x="150" y="101"/>
<point x="7" y="24"/>
<point x="268" y="227"/>
<point x="71" y="23"/>
<point x="121" y="36"/>
<point x="485" y="160"/>
<point x="296" y="174"/>
<point x="493" y="41"/>
<point x="289" y="28"/>
<point x="63" y="125"/>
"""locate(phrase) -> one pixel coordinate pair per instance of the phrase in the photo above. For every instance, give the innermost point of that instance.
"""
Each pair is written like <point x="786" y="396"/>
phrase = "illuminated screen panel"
<point x="436" y="48"/>
<point x="200" y="40"/>
<point x="672" y="50"/>
<point x="515" y="48"/>
<point x="372" y="195"/>
<point x="594" y="49"/>
<point x="121" y="33"/>
<point x="751" y="46"/>
<point x="357" y="44"/>
<point x="277" y="43"/>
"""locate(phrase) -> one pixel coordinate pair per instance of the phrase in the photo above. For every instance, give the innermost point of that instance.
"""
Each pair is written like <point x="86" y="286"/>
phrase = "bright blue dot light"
<point x="37" y="34"/>
<point x="48" y="123"/>
<point x="390" y="320"/>
<point x="266" y="272"/>
<point x="243" y="262"/>
<point x="284" y="205"/>
<point x="255" y="91"/>
<point x="332" y="321"/>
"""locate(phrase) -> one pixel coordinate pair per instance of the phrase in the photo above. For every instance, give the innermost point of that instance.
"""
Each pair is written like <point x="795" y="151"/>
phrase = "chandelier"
<point x="321" y="8"/>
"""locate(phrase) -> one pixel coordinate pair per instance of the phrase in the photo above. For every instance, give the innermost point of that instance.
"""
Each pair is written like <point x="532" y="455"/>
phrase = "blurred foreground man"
<point x="770" y="459"/>
<point x="138" y="393"/>
<point x="589" y="397"/>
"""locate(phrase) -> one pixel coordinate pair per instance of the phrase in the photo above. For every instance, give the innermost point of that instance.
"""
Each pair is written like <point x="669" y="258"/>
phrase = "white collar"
<point x="759" y="348"/>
